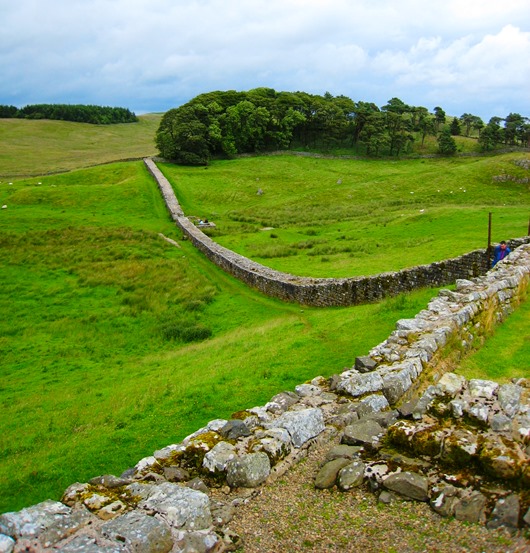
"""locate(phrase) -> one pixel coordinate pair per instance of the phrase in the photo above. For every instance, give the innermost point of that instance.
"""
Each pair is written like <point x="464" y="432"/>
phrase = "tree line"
<point x="225" y="123"/>
<point x="79" y="113"/>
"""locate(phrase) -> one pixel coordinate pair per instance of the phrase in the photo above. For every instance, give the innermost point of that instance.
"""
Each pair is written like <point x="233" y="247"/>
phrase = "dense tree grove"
<point x="225" y="123"/>
<point x="98" y="115"/>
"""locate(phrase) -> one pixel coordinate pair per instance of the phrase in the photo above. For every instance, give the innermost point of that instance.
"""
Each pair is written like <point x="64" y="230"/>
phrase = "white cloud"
<point x="155" y="56"/>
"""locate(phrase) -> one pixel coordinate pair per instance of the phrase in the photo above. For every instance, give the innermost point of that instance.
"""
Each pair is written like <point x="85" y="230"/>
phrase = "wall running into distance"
<point x="322" y="292"/>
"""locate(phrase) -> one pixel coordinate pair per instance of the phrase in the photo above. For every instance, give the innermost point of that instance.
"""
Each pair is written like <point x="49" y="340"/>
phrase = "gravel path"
<point x="290" y="515"/>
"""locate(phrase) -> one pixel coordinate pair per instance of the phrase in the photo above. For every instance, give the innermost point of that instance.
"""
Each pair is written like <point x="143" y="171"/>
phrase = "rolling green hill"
<point x="115" y="343"/>
<point x="29" y="147"/>
<point x="342" y="217"/>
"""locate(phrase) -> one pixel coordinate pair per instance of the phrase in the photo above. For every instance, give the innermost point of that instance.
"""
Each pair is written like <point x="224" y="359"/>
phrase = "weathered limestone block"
<point x="351" y="476"/>
<point x="74" y="493"/>
<point x="384" y="418"/>
<point x="7" y="544"/>
<point x="346" y="451"/>
<point x="217" y="458"/>
<point x="408" y="484"/>
<point x="205" y="541"/>
<point x="95" y="501"/>
<point x="418" y="353"/>
<point x="386" y="498"/>
<point x="234" y="429"/>
<point x="212" y="426"/>
<point x="367" y="433"/>
<point x="164" y="455"/>
<point x="460" y="447"/>
<point x="275" y="442"/>
<point x="425" y="401"/>
<point x="506" y="512"/>
<point x="400" y="433"/>
<point x="451" y="384"/>
<point x="415" y="325"/>
<point x="140" y="533"/>
<point x="181" y="507"/>
<point x="502" y="459"/>
<point x="439" y="306"/>
<point x="458" y="407"/>
<point x="444" y="500"/>
<point x="396" y="383"/>
<point x="327" y="475"/>
<point x="365" y="364"/>
<point x="282" y="402"/>
<point x="415" y="361"/>
<point x="509" y="397"/>
<point x="482" y="388"/>
<point x="89" y="544"/>
<point x="190" y="453"/>
<point x="145" y="466"/>
<point x="248" y="471"/>
<point x="198" y="485"/>
<point x="428" y="441"/>
<point x="176" y="474"/>
<point x="222" y="513"/>
<point x="361" y="384"/>
<point x="302" y="425"/>
<point x="421" y="438"/>
<point x="112" y="510"/>
<point x="471" y="507"/>
<point x="304" y="390"/>
<point x="109" y="481"/>
<point x="464" y="315"/>
<point x="375" y="473"/>
<point x="373" y="403"/>
<point x="463" y="284"/>
<point x="49" y="521"/>
<point x="499" y="422"/>
<point x="428" y="343"/>
<point x="479" y="411"/>
<point x="258" y="416"/>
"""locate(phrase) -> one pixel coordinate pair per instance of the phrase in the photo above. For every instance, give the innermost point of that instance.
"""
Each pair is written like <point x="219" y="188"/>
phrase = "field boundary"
<point x="323" y="292"/>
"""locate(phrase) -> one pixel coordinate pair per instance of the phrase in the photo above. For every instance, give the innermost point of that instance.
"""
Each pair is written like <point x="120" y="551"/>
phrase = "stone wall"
<point x="168" y="502"/>
<point x="322" y="292"/>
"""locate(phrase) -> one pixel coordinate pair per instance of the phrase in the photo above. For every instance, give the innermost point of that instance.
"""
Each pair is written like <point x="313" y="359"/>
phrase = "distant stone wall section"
<point x="322" y="292"/>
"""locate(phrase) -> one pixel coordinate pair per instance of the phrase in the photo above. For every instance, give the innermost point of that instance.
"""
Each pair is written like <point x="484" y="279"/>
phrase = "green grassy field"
<point x="101" y="338"/>
<point x="114" y="343"/>
<point x="506" y="354"/>
<point x="334" y="218"/>
<point x="38" y="147"/>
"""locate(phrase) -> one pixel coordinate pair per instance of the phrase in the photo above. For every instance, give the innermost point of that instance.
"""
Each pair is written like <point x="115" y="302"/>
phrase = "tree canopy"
<point x="226" y="123"/>
<point x="98" y="115"/>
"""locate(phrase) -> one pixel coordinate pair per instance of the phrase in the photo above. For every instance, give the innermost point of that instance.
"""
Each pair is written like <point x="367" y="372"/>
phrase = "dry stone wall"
<point x="183" y="497"/>
<point x="322" y="292"/>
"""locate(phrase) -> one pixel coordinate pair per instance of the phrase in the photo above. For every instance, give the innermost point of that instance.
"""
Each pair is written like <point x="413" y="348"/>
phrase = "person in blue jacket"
<point x="501" y="251"/>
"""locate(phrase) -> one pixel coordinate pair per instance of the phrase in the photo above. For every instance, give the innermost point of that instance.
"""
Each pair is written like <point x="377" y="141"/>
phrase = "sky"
<point x="465" y="56"/>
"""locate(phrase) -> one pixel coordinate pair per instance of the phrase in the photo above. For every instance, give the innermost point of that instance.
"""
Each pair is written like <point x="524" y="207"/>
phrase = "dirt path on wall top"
<point x="292" y="516"/>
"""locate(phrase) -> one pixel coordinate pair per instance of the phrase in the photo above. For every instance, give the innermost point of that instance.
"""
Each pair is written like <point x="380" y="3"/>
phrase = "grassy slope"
<point x="384" y="215"/>
<point x="506" y="354"/>
<point x="90" y="381"/>
<point x="90" y="295"/>
<point x="40" y="147"/>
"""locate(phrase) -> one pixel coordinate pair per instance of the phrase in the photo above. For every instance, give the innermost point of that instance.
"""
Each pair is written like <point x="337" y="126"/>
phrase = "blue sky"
<point x="462" y="55"/>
